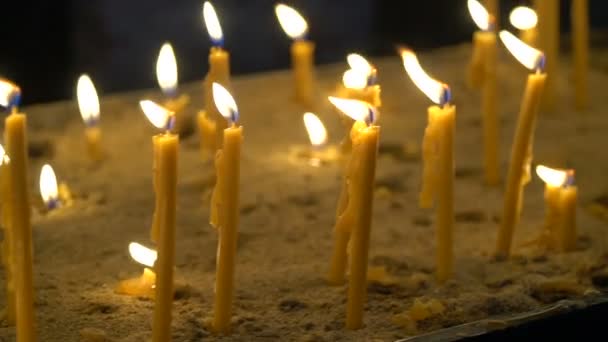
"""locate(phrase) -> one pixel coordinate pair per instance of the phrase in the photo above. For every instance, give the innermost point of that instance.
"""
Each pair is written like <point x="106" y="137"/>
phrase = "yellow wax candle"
<point x="358" y="212"/>
<point x="219" y="71"/>
<point x="166" y="75"/>
<point x="548" y="16"/>
<point x="225" y="209"/>
<point x="525" y="20"/>
<point x="302" y="52"/>
<point x="521" y="150"/>
<point x="580" y="46"/>
<point x="144" y="285"/>
<point x="344" y="219"/>
<point x="493" y="7"/>
<point x="88" y="104"/>
<point x="552" y="198"/>
<point x="166" y="150"/>
<point x="476" y="65"/>
<point x="206" y="130"/>
<point x="486" y="43"/>
<point x="7" y="251"/>
<point x="155" y="181"/>
<point x="16" y="148"/>
<point x="567" y="232"/>
<point x="439" y="160"/>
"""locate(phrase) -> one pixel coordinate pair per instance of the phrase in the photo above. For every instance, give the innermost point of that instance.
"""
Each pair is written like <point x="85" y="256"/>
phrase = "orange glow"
<point x="553" y="177"/>
<point x="142" y="254"/>
<point x="8" y="92"/>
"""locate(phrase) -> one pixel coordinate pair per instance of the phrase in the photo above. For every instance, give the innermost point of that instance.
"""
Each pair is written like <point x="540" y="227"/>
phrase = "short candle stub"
<point x="10" y="95"/>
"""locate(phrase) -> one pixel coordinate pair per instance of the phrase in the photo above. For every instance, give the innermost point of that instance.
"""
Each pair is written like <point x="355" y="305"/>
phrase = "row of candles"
<point x="359" y="100"/>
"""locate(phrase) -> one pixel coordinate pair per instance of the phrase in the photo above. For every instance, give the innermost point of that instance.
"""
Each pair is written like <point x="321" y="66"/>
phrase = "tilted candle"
<point x="357" y="213"/>
<point x="521" y="151"/>
<point x="88" y="104"/>
<point x="225" y="208"/>
<point x="439" y="156"/>
<point x="219" y="71"/>
<point x="166" y="191"/>
<point x="166" y="75"/>
<point x="302" y="52"/>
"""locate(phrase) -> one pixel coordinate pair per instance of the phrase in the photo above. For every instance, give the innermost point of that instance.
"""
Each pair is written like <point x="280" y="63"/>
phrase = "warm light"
<point x="436" y="91"/>
<point x="142" y="254"/>
<point x="213" y="23"/>
<point x="359" y="74"/>
<point x="357" y="110"/>
<point x="48" y="185"/>
<point x="4" y="159"/>
<point x="359" y="63"/>
<point x="530" y="57"/>
<point x="291" y="21"/>
<point x="225" y="103"/>
<point x="9" y="94"/>
<point x="158" y="115"/>
<point x="88" y="102"/>
<point x="166" y="69"/>
<point x="523" y="18"/>
<point x="554" y="177"/>
<point x="480" y="15"/>
<point x="354" y="79"/>
<point x="316" y="131"/>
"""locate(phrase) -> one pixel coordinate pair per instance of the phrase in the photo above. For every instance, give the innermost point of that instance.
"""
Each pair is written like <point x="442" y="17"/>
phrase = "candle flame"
<point x="213" y="24"/>
<point x="355" y="109"/>
<point x="436" y="91"/>
<point x="530" y="57"/>
<point x="88" y="101"/>
<point x="158" y="115"/>
<point x="316" y="131"/>
<point x="358" y="62"/>
<point x="291" y="21"/>
<point x="142" y="254"/>
<point x="10" y="94"/>
<point x="166" y="70"/>
<point x="480" y="15"/>
<point x="225" y="103"/>
<point x="360" y="74"/>
<point x="354" y="79"/>
<point x="554" y="177"/>
<point x="523" y="18"/>
<point x="48" y="185"/>
<point x="4" y="159"/>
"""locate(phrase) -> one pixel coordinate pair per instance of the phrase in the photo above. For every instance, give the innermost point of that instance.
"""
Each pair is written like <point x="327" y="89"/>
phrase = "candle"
<point x="493" y="7"/>
<point x="358" y="211"/>
<point x="521" y="151"/>
<point x="580" y="45"/>
<point x="144" y="285"/>
<point x="525" y="20"/>
<point x="440" y="158"/>
<point x="486" y="41"/>
<point x="225" y="208"/>
<point x="48" y="187"/>
<point x="7" y="252"/>
<point x="88" y="104"/>
<point x="302" y="52"/>
<point x="166" y="188"/>
<point x="483" y="42"/>
<point x="548" y="41"/>
<point x="219" y="71"/>
<point x="166" y="75"/>
<point x="560" y="204"/>
<point x="317" y="134"/>
<point x="15" y="134"/>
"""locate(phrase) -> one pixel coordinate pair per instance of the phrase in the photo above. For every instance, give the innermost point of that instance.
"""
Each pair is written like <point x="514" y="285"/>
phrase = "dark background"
<point x="47" y="44"/>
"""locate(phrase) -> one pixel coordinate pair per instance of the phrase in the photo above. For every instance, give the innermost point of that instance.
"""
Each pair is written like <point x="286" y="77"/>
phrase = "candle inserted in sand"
<point x="521" y="150"/>
<point x="225" y="208"/>
<point x="166" y="75"/>
<point x="88" y="104"/>
<point x="144" y="285"/>
<point x="438" y="160"/>
<point x="302" y="52"/>
<point x="7" y="252"/>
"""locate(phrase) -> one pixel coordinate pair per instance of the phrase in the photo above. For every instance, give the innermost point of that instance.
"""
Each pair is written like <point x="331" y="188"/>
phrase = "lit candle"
<point x="166" y="75"/>
<point x="486" y="41"/>
<point x="144" y="285"/>
<point x="15" y="126"/>
<point x="225" y="208"/>
<point x="438" y="160"/>
<point x="521" y="150"/>
<point x="166" y="188"/>
<point x="525" y="19"/>
<point x="317" y="134"/>
<point x="580" y="46"/>
<point x="302" y="52"/>
<point x="48" y="187"/>
<point x="7" y="251"/>
<point x="358" y="83"/>
<point x="211" y="121"/>
<point x="357" y="215"/>
<point x="88" y="104"/>
<point x="560" y="204"/>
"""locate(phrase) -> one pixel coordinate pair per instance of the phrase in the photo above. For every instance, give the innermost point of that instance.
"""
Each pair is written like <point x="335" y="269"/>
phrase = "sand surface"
<point x="287" y="214"/>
